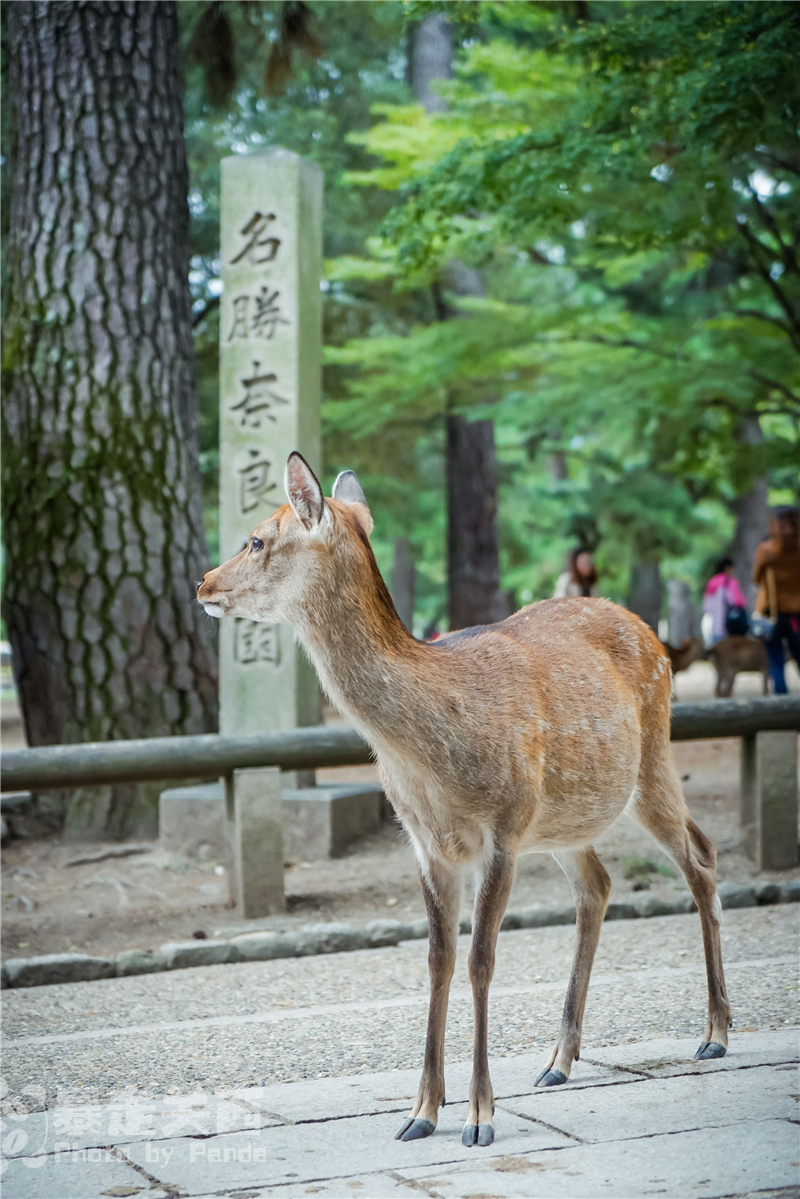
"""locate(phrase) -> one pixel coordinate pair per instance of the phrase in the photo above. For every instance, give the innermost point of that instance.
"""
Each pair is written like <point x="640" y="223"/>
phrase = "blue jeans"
<point x="787" y="630"/>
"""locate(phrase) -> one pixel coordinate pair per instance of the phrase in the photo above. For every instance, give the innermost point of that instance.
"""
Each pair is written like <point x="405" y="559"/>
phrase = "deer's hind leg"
<point x="441" y="887"/>
<point x="661" y="809"/>
<point x="591" y="887"/>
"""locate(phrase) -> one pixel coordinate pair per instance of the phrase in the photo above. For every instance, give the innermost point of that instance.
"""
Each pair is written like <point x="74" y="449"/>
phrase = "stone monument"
<point x="270" y="364"/>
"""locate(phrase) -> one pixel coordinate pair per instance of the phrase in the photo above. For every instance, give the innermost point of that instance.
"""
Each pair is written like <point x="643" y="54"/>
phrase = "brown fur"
<point x="531" y="735"/>
<point x="734" y="655"/>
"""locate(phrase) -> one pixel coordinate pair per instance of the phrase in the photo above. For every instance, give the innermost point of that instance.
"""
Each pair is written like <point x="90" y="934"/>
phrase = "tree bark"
<point x="102" y="501"/>
<point x="403" y="582"/>
<point x="473" y="573"/>
<point x="684" y="615"/>
<point x="473" y="564"/>
<point x="431" y="58"/>
<point x="646" y="593"/>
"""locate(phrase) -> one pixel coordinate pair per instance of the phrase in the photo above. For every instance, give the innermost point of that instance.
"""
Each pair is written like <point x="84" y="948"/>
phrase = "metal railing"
<point x="214" y="755"/>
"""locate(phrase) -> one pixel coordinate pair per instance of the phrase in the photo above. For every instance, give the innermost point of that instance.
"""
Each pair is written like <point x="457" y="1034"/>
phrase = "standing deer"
<point x="528" y="736"/>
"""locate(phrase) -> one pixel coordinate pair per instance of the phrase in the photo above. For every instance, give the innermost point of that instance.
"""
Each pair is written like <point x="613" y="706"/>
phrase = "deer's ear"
<point x="305" y="494"/>
<point x="347" y="490"/>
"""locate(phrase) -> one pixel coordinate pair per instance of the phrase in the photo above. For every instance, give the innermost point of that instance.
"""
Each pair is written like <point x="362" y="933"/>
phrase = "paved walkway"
<point x="206" y="1082"/>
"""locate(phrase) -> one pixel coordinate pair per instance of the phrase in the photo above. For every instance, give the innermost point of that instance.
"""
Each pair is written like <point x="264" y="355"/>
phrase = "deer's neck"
<point x="367" y="662"/>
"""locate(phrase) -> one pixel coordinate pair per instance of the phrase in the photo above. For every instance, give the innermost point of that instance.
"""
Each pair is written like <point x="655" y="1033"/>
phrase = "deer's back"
<point x="576" y="650"/>
<point x="538" y="723"/>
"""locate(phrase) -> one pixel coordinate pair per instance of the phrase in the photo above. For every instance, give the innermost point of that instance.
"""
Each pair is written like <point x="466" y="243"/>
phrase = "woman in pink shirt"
<point x="722" y="593"/>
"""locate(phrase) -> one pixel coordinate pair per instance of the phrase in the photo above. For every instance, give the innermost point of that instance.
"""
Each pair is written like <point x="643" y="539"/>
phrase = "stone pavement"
<point x="641" y="1119"/>
<point x="171" y="1085"/>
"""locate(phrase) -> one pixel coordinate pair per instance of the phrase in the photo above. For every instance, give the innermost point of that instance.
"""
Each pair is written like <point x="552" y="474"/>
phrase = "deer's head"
<point x="304" y="554"/>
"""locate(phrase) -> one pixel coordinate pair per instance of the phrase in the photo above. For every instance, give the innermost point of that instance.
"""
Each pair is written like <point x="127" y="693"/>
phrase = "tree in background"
<point x="103" y="523"/>
<point x="473" y="559"/>
<point x="627" y="186"/>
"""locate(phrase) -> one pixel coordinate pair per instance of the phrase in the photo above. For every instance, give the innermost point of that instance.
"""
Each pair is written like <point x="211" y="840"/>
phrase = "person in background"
<point x="776" y="569"/>
<point x="580" y="578"/>
<point x="722" y="594"/>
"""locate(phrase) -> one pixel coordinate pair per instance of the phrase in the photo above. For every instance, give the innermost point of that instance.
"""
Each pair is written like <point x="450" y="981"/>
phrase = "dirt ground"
<point x="146" y="899"/>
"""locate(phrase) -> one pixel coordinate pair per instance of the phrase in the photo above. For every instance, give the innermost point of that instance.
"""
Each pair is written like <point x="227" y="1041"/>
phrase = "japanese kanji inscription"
<point x="270" y="353"/>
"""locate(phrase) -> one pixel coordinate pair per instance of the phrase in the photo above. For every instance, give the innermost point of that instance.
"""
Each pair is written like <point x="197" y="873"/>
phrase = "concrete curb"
<point x="343" y="938"/>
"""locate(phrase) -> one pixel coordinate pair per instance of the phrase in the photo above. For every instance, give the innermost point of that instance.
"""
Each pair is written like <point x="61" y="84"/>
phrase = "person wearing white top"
<point x="580" y="578"/>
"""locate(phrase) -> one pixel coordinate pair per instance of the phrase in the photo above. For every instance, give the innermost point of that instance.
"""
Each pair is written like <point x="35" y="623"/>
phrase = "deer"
<point x="532" y="735"/>
<point x="681" y="656"/>
<point x="733" y="655"/>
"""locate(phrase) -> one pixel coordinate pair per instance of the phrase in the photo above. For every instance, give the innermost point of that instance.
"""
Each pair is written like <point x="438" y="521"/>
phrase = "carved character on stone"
<point x="266" y="315"/>
<point x="258" y="399"/>
<point x="254" y="231"/>
<point x="239" y="327"/>
<point x="254" y="483"/>
<point x="256" y="642"/>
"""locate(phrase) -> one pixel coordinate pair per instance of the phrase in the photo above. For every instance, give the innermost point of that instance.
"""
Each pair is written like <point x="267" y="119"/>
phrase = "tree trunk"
<point x="646" y="592"/>
<point x="473" y="574"/>
<point x="102" y="502"/>
<point x="473" y="565"/>
<point x="751" y="512"/>
<point x="684" y="616"/>
<point x="431" y="58"/>
<point x="403" y="582"/>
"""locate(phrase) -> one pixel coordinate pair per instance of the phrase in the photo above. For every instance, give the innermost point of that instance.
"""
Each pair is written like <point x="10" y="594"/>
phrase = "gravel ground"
<point x="282" y="1021"/>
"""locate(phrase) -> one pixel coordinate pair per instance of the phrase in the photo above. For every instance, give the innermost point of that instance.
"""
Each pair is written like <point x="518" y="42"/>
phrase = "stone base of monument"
<point x="318" y="822"/>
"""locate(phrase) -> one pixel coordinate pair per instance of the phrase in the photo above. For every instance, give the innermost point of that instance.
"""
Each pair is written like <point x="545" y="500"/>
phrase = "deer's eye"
<point x="256" y="544"/>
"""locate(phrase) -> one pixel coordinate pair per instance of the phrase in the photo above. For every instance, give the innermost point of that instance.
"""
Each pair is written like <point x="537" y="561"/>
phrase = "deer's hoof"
<point x="415" y="1130"/>
<point x="551" y="1078"/>
<point x="709" y="1050"/>
<point x="477" y="1134"/>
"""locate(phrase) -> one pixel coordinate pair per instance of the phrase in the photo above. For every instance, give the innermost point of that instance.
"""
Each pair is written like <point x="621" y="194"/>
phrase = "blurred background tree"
<point x="625" y="178"/>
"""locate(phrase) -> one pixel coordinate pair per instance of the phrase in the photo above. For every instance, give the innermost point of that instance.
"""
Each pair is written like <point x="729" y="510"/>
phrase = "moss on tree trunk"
<point x="103" y="522"/>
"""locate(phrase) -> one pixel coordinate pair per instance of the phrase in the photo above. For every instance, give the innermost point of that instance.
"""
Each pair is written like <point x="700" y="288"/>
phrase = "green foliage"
<point x="627" y="186"/>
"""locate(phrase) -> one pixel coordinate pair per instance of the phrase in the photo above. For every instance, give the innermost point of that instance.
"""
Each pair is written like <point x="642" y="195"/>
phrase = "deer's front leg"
<point x="441" y="886"/>
<point x="490" y="904"/>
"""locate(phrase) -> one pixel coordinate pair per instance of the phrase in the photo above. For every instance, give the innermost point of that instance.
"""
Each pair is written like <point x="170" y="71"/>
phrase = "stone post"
<point x="254" y="835"/>
<point x="270" y="356"/>
<point x="769" y="799"/>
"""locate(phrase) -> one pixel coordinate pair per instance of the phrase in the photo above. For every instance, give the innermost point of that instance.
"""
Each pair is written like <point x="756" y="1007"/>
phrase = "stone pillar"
<point x="768" y="799"/>
<point x="270" y="357"/>
<point x="254" y="837"/>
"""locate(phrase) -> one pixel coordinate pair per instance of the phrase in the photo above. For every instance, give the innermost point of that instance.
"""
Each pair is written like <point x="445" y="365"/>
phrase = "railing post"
<point x="747" y="794"/>
<point x="254" y="837"/>
<point x="768" y="801"/>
